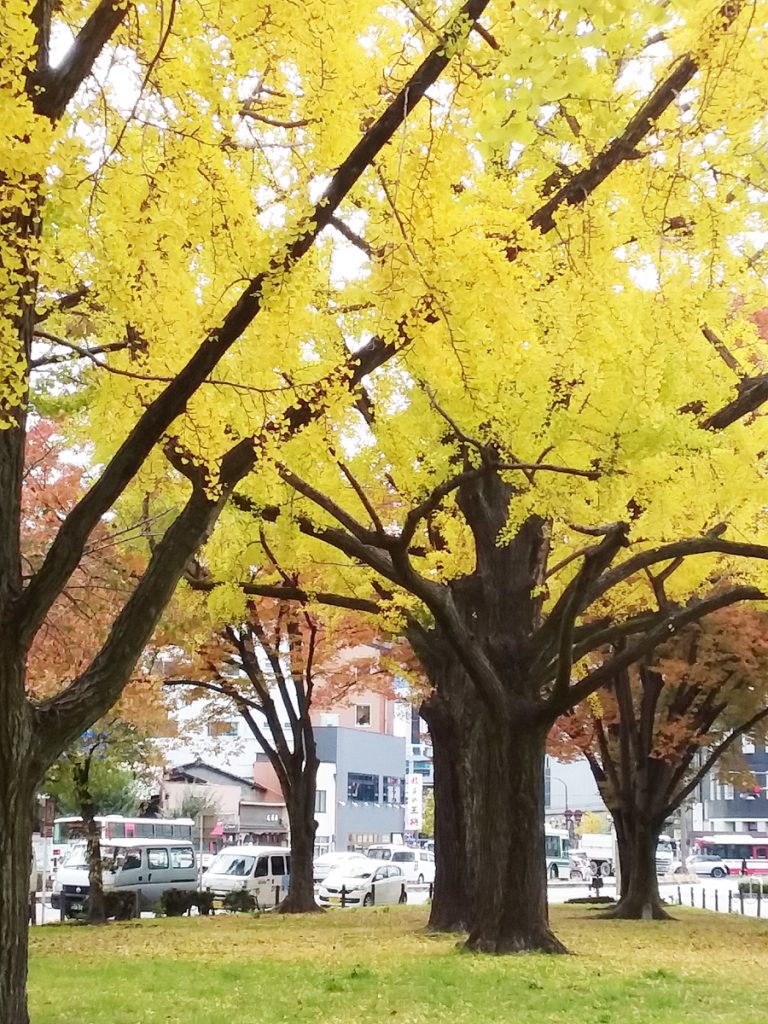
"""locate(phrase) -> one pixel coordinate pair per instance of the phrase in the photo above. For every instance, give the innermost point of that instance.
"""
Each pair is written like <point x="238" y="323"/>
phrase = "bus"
<point x="739" y="850"/>
<point x="557" y="845"/>
<point x="67" y="831"/>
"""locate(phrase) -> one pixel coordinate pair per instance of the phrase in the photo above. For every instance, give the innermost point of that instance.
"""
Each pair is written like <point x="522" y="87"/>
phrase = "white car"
<point x="363" y="884"/>
<point x="701" y="864"/>
<point x="335" y="861"/>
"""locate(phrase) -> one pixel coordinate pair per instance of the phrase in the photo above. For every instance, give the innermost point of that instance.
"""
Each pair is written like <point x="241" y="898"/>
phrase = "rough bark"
<point x="637" y="840"/>
<point x="18" y="779"/>
<point x="300" y="802"/>
<point x="451" y="901"/>
<point x="506" y="839"/>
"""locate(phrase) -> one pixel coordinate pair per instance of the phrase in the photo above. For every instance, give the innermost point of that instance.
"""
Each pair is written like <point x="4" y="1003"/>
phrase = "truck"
<point x="599" y="848"/>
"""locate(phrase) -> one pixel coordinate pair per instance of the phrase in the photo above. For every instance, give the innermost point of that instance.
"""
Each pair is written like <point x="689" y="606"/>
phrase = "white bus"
<point x="67" y="831"/>
<point x="557" y="848"/>
<point x="742" y="851"/>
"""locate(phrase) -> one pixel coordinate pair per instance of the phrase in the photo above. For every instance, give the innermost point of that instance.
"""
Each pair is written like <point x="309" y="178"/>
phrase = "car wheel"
<point x="680" y="870"/>
<point x="576" y="875"/>
<point x="605" y="869"/>
<point x="718" y="873"/>
<point x="420" y="880"/>
<point x="553" y="873"/>
<point x="368" y="900"/>
<point x="403" y="897"/>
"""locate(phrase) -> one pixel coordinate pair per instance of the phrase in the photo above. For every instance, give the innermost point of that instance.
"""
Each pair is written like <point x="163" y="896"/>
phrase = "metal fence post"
<point x="373" y="893"/>
<point x="703" y="898"/>
<point x="343" y="896"/>
<point x="730" y="901"/>
<point x="759" y="897"/>
<point x="679" y="896"/>
<point x="693" y="902"/>
<point x="717" y="901"/>
<point x="277" y="895"/>
<point x="741" y="900"/>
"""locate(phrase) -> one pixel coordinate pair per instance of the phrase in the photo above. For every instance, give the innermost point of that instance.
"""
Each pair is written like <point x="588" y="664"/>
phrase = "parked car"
<point x="334" y="861"/>
<point x="364" y="883"/>
<point x="144" y="866"/>
<point x="259" y="869"/>
<point x="702" y="864"/>
<point x="418" y="865"/>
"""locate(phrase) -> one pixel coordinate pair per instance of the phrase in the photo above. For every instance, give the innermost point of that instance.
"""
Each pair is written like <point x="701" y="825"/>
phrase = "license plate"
<point x="334" y="899"/>
<point x="75" y="906"/>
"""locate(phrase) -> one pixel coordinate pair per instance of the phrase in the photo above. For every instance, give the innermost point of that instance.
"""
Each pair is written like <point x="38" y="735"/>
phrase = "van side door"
<point x="159" y="875"/>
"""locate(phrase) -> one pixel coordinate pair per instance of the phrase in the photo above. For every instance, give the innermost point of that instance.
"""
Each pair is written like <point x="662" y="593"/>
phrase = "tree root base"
<point x="289" y="906"/>
<point x="541" y="941"/>
<point x="635" y="910"/>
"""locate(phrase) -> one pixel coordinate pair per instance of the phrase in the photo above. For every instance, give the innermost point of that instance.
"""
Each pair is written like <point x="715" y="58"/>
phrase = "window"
<point x="163" y="831"/>
<point x="262" y="868"/>
<point x="278" y="866"/>
<point x="182" y="857"/>
<point x="239" y="866"/>
<point x="157" y="860"/>
<point x="720" y="790"/>
<point x="552" y="846"/>
<point x="363" y="788"/>
<point x="404" y="855"/>
<point x="222" y="727"/>
<point x="394" y="790"/>
<point x="751" y="826"/>
<point x="362" y="714"/>
<point x="747" y="745"/>
<point x="320" y="801"/>
<point x="144" y="830"/>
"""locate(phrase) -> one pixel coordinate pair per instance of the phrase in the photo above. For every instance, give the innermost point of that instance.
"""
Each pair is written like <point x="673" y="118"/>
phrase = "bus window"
<point x="163" y="831"/>
<point x="761" y="853"/>
<point x="144" y="830"/>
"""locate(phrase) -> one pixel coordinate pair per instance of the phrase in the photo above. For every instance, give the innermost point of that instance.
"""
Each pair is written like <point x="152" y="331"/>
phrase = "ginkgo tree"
<point x="656" y="729"/>
<point x="570" y="342"/>
<point x="165" y="173"/>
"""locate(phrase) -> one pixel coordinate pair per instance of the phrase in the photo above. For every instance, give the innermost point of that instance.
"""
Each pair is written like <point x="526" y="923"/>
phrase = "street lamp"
<point x="554" y="778"/>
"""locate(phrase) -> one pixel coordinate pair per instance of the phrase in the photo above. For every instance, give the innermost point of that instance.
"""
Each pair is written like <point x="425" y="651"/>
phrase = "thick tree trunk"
<point x="451" y="897"/>
<point x="640" y="899"/>
<point x="506" y="838"/>
<point x="17" y="787"/>
<point x="300" y="802"/>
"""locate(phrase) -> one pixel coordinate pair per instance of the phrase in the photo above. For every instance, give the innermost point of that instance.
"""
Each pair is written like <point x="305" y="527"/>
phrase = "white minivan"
<point x="146" y="866"/>
<point x="416" y="864"/>
<point x="262" y="870"/>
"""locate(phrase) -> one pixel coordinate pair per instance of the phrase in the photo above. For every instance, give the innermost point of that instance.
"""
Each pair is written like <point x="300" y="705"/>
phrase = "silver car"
<point x="703" y="864"/>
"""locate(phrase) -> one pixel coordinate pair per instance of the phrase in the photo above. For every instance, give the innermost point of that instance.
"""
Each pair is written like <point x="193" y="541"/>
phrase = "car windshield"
<point x="232" y="864"/>
<point x="77" y="858"/>
<point x="361" y="872"/>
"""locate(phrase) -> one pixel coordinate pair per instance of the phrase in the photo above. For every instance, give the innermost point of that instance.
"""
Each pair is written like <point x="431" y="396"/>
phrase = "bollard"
<point x="431" y="889"/>
<point x="741" y="900"/>
<point x="277" y="895"/>
<point x="343" y="896"/>
<point x="679" y="896"/>
<point x="717" y="901"/>
<point x="703" y="899"/>
<point x="730" y="901"/>
<point x="693" y="902"/>
<point x="373" y="894"/>
<point x="759" y="897"/>
<point x="33" y="908"/>
<point x="137" y="904"/>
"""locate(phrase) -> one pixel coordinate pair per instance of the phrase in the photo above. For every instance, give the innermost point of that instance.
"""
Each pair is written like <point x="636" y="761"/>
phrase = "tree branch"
<point x="51" y="89"/>
<point x="65" y="551"/>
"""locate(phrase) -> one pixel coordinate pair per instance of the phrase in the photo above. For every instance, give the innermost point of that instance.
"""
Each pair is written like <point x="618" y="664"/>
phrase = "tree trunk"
<point x="451" y="899"/>
<point x="640" y="900"/>
<point x="300" y="802"/>
<point x="81" y="771"/>
<point x="17" y="787"/>
<point x="506" y="838"/>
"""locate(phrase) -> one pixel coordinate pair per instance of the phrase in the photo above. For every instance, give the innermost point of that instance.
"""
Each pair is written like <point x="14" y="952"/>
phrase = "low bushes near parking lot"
<point x="176" y="902"/>
<point x="240" y="901"/>
<point x="751" y="886"/>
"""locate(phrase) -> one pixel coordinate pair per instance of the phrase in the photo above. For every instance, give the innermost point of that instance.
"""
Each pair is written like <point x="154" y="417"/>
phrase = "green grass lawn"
<point x="380" y="965"/>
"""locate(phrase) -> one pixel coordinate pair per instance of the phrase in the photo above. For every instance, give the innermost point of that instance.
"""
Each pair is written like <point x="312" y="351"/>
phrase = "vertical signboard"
<point x="414" y="803"/>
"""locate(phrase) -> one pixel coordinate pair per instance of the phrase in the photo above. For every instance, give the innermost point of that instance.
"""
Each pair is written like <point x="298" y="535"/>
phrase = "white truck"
<point x="599" y="847"/>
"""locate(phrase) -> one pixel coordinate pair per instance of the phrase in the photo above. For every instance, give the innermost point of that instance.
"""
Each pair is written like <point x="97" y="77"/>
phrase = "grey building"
<point x="723" y="807"/>
<point x="368" y="772"/>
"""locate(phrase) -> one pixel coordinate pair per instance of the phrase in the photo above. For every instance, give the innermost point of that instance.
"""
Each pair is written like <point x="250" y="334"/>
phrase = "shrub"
<point x="751" y="886"/>
<point x="176" y="902"/>
<point x="239" y="902"/>
<point x="204" y="902"/>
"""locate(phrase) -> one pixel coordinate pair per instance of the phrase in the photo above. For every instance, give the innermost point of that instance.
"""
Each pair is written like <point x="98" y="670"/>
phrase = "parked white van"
<point x="259" y="869"/>
<point x="146" y="866"/>
<point x="416" y="864"/>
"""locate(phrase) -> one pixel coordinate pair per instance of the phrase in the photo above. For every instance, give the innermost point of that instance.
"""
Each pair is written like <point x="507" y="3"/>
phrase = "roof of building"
<point x="188" y="771"/>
